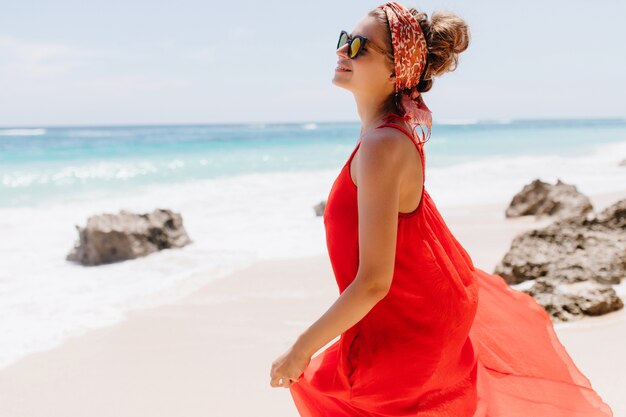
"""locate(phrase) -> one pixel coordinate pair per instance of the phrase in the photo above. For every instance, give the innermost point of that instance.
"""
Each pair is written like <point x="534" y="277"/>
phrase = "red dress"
<point x="448" y="339"/>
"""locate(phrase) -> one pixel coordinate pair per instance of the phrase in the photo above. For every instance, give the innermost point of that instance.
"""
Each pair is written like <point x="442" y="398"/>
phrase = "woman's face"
<point x="370" y="72"/>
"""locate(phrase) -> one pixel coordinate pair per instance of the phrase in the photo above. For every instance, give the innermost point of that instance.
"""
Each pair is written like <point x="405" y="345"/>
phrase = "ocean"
<point x="245" y="192"/>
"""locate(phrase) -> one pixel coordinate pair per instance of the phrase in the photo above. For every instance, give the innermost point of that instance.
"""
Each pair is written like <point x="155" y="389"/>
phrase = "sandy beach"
<point x="210" y="353"/>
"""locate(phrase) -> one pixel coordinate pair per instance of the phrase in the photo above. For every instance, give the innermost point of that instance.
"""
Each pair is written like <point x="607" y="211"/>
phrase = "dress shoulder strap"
<point x="419" y="145"/>
<point x="353" y="153"/>
<point x="388" y="122"/>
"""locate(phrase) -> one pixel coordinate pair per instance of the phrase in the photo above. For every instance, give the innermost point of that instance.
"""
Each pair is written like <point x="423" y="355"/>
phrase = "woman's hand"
<point x="288" y="368"/>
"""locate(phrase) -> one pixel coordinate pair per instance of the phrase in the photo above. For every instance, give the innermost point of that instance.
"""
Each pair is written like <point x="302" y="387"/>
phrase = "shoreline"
<point x="201" y="353"/>
<point x="191" y="357"/>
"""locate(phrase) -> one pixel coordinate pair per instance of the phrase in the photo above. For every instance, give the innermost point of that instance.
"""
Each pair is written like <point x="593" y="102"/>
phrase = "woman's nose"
<point x="343" y="51"/>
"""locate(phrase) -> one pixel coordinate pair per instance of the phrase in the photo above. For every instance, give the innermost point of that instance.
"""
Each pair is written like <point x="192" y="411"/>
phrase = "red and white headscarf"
<point x="410" y="53"/>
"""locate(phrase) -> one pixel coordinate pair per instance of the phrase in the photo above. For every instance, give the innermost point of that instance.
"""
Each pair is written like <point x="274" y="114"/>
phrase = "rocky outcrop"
<point x="543" y="199"/>
<point x="571" y="301"/>
<point x="574" y="261"/>
<point x="115" y="237"/>
<point x="574" y="249"/>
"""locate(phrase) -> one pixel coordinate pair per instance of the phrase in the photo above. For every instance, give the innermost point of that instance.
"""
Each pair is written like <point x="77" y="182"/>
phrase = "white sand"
<point x="210" y="353"/>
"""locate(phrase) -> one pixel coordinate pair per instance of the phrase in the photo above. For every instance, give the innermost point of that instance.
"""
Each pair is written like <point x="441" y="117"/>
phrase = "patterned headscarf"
<point x="410" y="54"/>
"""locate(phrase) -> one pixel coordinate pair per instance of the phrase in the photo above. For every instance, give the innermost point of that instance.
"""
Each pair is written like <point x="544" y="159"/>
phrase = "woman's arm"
<point x="383" y="153"/>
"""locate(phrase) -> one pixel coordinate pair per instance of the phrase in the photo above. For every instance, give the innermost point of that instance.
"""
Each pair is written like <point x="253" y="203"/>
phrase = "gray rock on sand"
<point x="567" y="302"/>
<point x="115" y="237"/>
<point x="543" y="199"/>
<point x="613" y="216"/>
<point x="569" y="257"/>
<point x="574" y="249"/>
<point x="319" y="208"/>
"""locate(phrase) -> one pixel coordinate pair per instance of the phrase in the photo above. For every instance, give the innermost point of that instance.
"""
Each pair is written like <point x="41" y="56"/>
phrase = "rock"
<point x="614" y="216"/>
<point x="622" y="163"/>
<point x="567" y="302"/>
<point x="573" y="249"/>
<point x="319" y="208"/>
<point x="543" y="199"/>
<point x="115" y="237"/>
<point x="573" y="261"/>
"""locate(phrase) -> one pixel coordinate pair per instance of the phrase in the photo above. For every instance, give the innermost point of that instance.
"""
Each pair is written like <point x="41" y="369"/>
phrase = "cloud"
<point x="26" y="59"/>
<point x="207" y="53"/>
<point x="239" y="33"/>
<point x="34" y="70"/>
<point x="128" y="85"/>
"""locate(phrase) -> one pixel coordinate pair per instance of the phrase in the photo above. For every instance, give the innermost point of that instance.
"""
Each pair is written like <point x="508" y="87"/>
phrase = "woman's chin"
<point x="339" y="81"/>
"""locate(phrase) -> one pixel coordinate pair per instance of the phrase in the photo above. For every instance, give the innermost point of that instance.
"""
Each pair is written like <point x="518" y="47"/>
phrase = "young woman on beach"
<point x="422" y="331"/>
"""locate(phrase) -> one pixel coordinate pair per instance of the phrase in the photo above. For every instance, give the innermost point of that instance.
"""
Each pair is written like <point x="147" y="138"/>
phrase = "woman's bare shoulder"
<point x="386" y="143"/>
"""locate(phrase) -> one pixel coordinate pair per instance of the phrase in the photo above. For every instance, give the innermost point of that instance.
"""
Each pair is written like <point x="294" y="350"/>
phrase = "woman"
<point x="422" y="331"/>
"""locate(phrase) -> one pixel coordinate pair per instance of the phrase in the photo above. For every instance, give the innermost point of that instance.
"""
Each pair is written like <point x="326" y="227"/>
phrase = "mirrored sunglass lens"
<point x="354" y="47"/>
<point x="343" y="38"/>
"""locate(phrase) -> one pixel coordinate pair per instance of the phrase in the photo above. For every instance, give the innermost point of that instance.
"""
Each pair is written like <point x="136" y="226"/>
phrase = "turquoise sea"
<point x="38" y="165"/>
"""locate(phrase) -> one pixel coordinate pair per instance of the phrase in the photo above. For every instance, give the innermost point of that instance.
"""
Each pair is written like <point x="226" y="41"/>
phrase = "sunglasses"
<point x="357" y="44"/>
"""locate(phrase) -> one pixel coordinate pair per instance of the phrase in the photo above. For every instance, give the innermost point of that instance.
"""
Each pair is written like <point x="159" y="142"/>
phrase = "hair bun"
<point x="447" y="36"/>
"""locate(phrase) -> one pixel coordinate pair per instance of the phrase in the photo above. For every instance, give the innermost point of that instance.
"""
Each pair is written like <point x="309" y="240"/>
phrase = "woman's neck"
<point x="372" y="111"/>
<point x="371" y="114"/>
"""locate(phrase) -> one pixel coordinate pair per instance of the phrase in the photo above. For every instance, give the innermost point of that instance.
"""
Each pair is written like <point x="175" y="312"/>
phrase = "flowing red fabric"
<point x="448" y="340"/>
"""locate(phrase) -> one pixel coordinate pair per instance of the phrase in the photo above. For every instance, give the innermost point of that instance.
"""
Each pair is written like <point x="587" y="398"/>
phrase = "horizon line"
<point x="443" y="122"/>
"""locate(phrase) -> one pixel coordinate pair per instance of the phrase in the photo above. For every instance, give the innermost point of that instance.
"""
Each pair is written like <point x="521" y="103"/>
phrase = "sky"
<point x="67" y="63"/>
